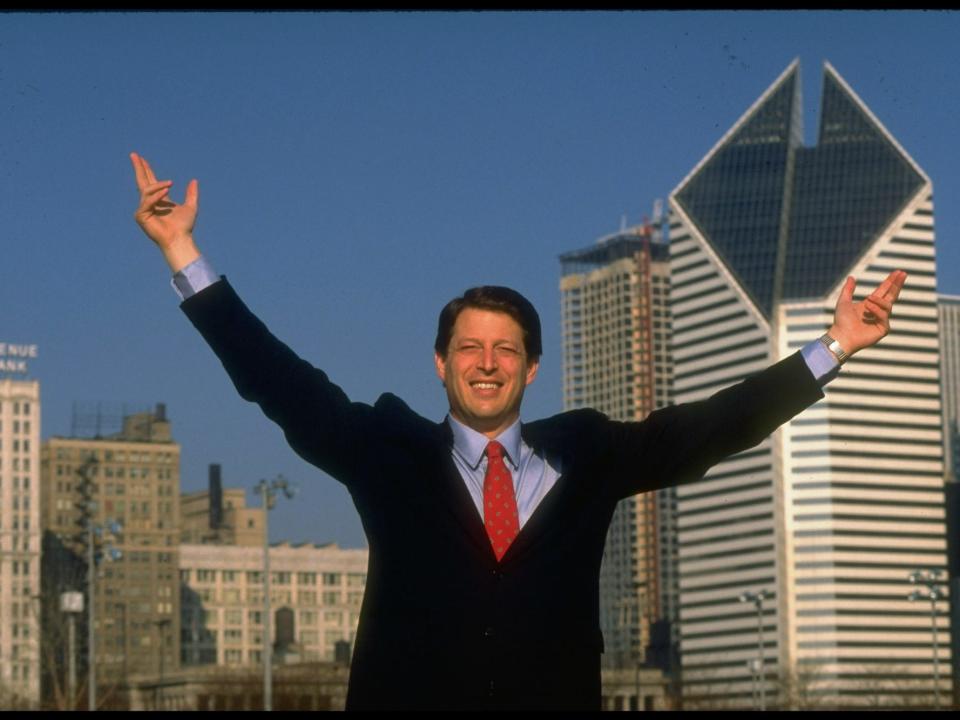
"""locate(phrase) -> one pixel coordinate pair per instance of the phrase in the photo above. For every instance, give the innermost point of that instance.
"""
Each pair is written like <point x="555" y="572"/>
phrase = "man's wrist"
<point x="180" y="253"/>
<point x="835" y="346"/>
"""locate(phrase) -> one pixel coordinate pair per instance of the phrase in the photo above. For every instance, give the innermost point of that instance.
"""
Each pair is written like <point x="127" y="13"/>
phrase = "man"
<point x="485" y="534"/>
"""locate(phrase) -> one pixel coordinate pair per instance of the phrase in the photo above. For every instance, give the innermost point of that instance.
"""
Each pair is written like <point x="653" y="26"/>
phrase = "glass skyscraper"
<point x="830" y="515"/>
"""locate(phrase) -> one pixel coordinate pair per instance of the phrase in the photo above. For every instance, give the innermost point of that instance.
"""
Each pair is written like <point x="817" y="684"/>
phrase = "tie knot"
<point x="494" y="450"/>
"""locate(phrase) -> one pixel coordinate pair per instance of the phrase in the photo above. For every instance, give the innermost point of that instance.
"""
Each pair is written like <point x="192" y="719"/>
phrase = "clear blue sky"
<point x="359" y="170"/>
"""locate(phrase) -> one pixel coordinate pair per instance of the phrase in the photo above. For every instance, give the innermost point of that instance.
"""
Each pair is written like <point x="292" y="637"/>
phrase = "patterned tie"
<point x="499" y="503"/>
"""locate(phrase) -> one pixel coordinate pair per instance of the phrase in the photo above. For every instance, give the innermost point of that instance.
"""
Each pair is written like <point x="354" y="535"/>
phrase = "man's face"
<point x="486" y="370"/>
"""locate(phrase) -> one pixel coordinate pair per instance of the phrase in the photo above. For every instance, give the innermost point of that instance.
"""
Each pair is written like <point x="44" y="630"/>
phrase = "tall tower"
<point x="19" y="531"/>
<point x="616" y="324"/>
<point x="831" y="514"/>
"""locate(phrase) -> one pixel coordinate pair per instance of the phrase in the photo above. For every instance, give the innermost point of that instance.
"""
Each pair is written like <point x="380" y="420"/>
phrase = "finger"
<point x="154" y="188"/>
<point x="153" y="196"/>
<point x="876" y="308"/>
<point x="138" y="171"/>
<point x="193" y="194"/>
<point x="897" y="285"/>
<point x="846" y="294"/>
<point x="151" y="178"/>
<point x="880" y="301"/>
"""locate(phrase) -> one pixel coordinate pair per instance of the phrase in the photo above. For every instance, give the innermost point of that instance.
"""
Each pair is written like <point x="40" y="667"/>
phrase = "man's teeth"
<point x="485" y="386"/>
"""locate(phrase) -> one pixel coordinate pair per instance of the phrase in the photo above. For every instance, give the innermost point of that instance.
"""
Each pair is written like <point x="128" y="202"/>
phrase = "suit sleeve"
<point x="319" y="421"/>
<point x="679" y="444"/>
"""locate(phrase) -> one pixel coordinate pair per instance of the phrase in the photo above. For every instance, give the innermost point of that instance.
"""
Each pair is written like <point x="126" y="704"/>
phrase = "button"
<point x="490" y="689"/>
<point x="488" y="632"/>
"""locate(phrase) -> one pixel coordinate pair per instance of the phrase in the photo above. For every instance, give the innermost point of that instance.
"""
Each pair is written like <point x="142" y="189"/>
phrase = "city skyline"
<point x="368" y="167"/>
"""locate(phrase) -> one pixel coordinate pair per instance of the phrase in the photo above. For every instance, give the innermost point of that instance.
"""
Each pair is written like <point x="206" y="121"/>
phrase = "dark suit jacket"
<point x="443" y="624"/>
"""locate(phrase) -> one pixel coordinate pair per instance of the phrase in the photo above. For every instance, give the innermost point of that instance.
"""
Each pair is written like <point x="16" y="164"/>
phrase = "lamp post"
<point x="931" y="580"/>
<point x="96" y="532"/>
<point x="757" y="599"/>
<point x="268" y="494"/>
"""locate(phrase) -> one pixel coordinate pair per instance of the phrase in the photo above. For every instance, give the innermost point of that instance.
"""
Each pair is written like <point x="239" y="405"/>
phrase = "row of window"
<point x="277" y="578"/>
<point x="210" y="617"/>
<point x="20" y="407"/>
<point x="135" y="456"/>
<point x="110" y="471"/>
<point x="280" y="597"/>
<point x="18" y="464"/>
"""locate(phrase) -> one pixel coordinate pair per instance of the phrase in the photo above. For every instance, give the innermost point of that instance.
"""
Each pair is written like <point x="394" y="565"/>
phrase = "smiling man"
<point x="486" y="533"/>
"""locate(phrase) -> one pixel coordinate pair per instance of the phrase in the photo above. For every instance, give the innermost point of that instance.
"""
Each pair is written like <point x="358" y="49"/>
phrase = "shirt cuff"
<point x="193" y="278"/>
<point x="822" y="363"/>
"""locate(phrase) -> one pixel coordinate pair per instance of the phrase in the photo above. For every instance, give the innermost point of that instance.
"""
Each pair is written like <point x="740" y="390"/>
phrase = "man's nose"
<point x="488" y="359"/>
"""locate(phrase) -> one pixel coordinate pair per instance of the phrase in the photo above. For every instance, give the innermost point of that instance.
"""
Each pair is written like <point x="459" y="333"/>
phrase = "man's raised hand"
<point x="165" y="222"/>
<point x="860" y="325"/>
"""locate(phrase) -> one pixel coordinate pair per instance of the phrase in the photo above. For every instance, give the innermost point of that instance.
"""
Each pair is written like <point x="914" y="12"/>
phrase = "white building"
<point x="832" y="513"/>
<point x="222" y="601"/>
<point x="19" y="533"/>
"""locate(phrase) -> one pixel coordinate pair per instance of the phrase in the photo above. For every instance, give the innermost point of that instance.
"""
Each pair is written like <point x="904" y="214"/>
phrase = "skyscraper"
<point x="831" y="514"/>
<point x="19" y="531"/>
<point x="616" y="322"/>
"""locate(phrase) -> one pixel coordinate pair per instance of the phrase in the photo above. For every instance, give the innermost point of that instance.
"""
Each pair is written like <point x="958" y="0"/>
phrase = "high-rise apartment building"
<point x="616" y="324"/>
<point x="19" y="532"/>
<point x="131" y="477"/>
<point x="831" y="514"/>
<point x="315" y="594"/>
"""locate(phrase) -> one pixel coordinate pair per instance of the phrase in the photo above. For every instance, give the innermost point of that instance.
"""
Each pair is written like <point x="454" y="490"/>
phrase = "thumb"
<point x="193" y="193"/>
<point x="846" y="294"/>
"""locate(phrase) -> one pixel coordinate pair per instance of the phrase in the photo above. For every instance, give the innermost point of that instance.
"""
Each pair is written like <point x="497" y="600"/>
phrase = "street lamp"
<point x="757" y="599"/>
<point x="268" y="494"/>
<point x="930" y="579"/>
<point x="110" y="553"/>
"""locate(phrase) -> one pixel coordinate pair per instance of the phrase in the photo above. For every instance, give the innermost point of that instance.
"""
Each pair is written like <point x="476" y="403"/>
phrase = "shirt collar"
<point x="471" y="445"/>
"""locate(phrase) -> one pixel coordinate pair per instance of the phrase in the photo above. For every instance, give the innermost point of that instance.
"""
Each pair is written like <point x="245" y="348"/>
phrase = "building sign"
<point x="13" y="357"/>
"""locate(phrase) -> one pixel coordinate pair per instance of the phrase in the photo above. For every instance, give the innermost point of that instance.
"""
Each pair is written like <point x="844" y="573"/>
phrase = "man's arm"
<point x="680" y="443"/>
<point x="318" y="419"/>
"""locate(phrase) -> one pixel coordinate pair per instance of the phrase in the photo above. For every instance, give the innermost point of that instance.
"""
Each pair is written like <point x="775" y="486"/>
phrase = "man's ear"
<point x="532" y="370"/>
<point x="441" y="367"/>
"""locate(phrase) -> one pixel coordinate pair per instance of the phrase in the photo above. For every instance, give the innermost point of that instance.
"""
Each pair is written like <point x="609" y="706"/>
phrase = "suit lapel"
<point x="455" y="497"/>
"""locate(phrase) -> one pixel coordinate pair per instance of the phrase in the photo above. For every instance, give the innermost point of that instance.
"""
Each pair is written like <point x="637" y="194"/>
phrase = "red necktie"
<point x="499" y="503"/>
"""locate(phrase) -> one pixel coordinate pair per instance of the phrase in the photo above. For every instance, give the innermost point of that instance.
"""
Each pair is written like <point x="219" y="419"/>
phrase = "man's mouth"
<point x="485" y="385"/>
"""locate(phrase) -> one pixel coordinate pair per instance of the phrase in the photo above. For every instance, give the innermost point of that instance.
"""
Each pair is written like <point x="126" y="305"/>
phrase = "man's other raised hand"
<point x="859" y="325"/>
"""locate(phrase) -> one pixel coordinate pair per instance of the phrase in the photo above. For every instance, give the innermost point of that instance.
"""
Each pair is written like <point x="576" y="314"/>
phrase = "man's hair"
<point x="495" y="299"/>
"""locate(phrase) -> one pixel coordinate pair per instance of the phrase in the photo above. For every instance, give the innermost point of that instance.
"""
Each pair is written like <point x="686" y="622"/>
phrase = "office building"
<point x="131" y="477"/>
<point x="830" y="515"/>
<point x="616" y="325"/>
<point x="19" y="530"/>
<point x="315" y="595"/>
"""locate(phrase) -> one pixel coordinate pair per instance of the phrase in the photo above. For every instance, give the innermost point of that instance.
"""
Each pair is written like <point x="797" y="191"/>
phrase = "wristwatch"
<point x="834" y="347"/>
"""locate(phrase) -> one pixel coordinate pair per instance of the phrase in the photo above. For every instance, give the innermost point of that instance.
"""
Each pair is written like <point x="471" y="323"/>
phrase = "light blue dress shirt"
<point x="533" y="475"/>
